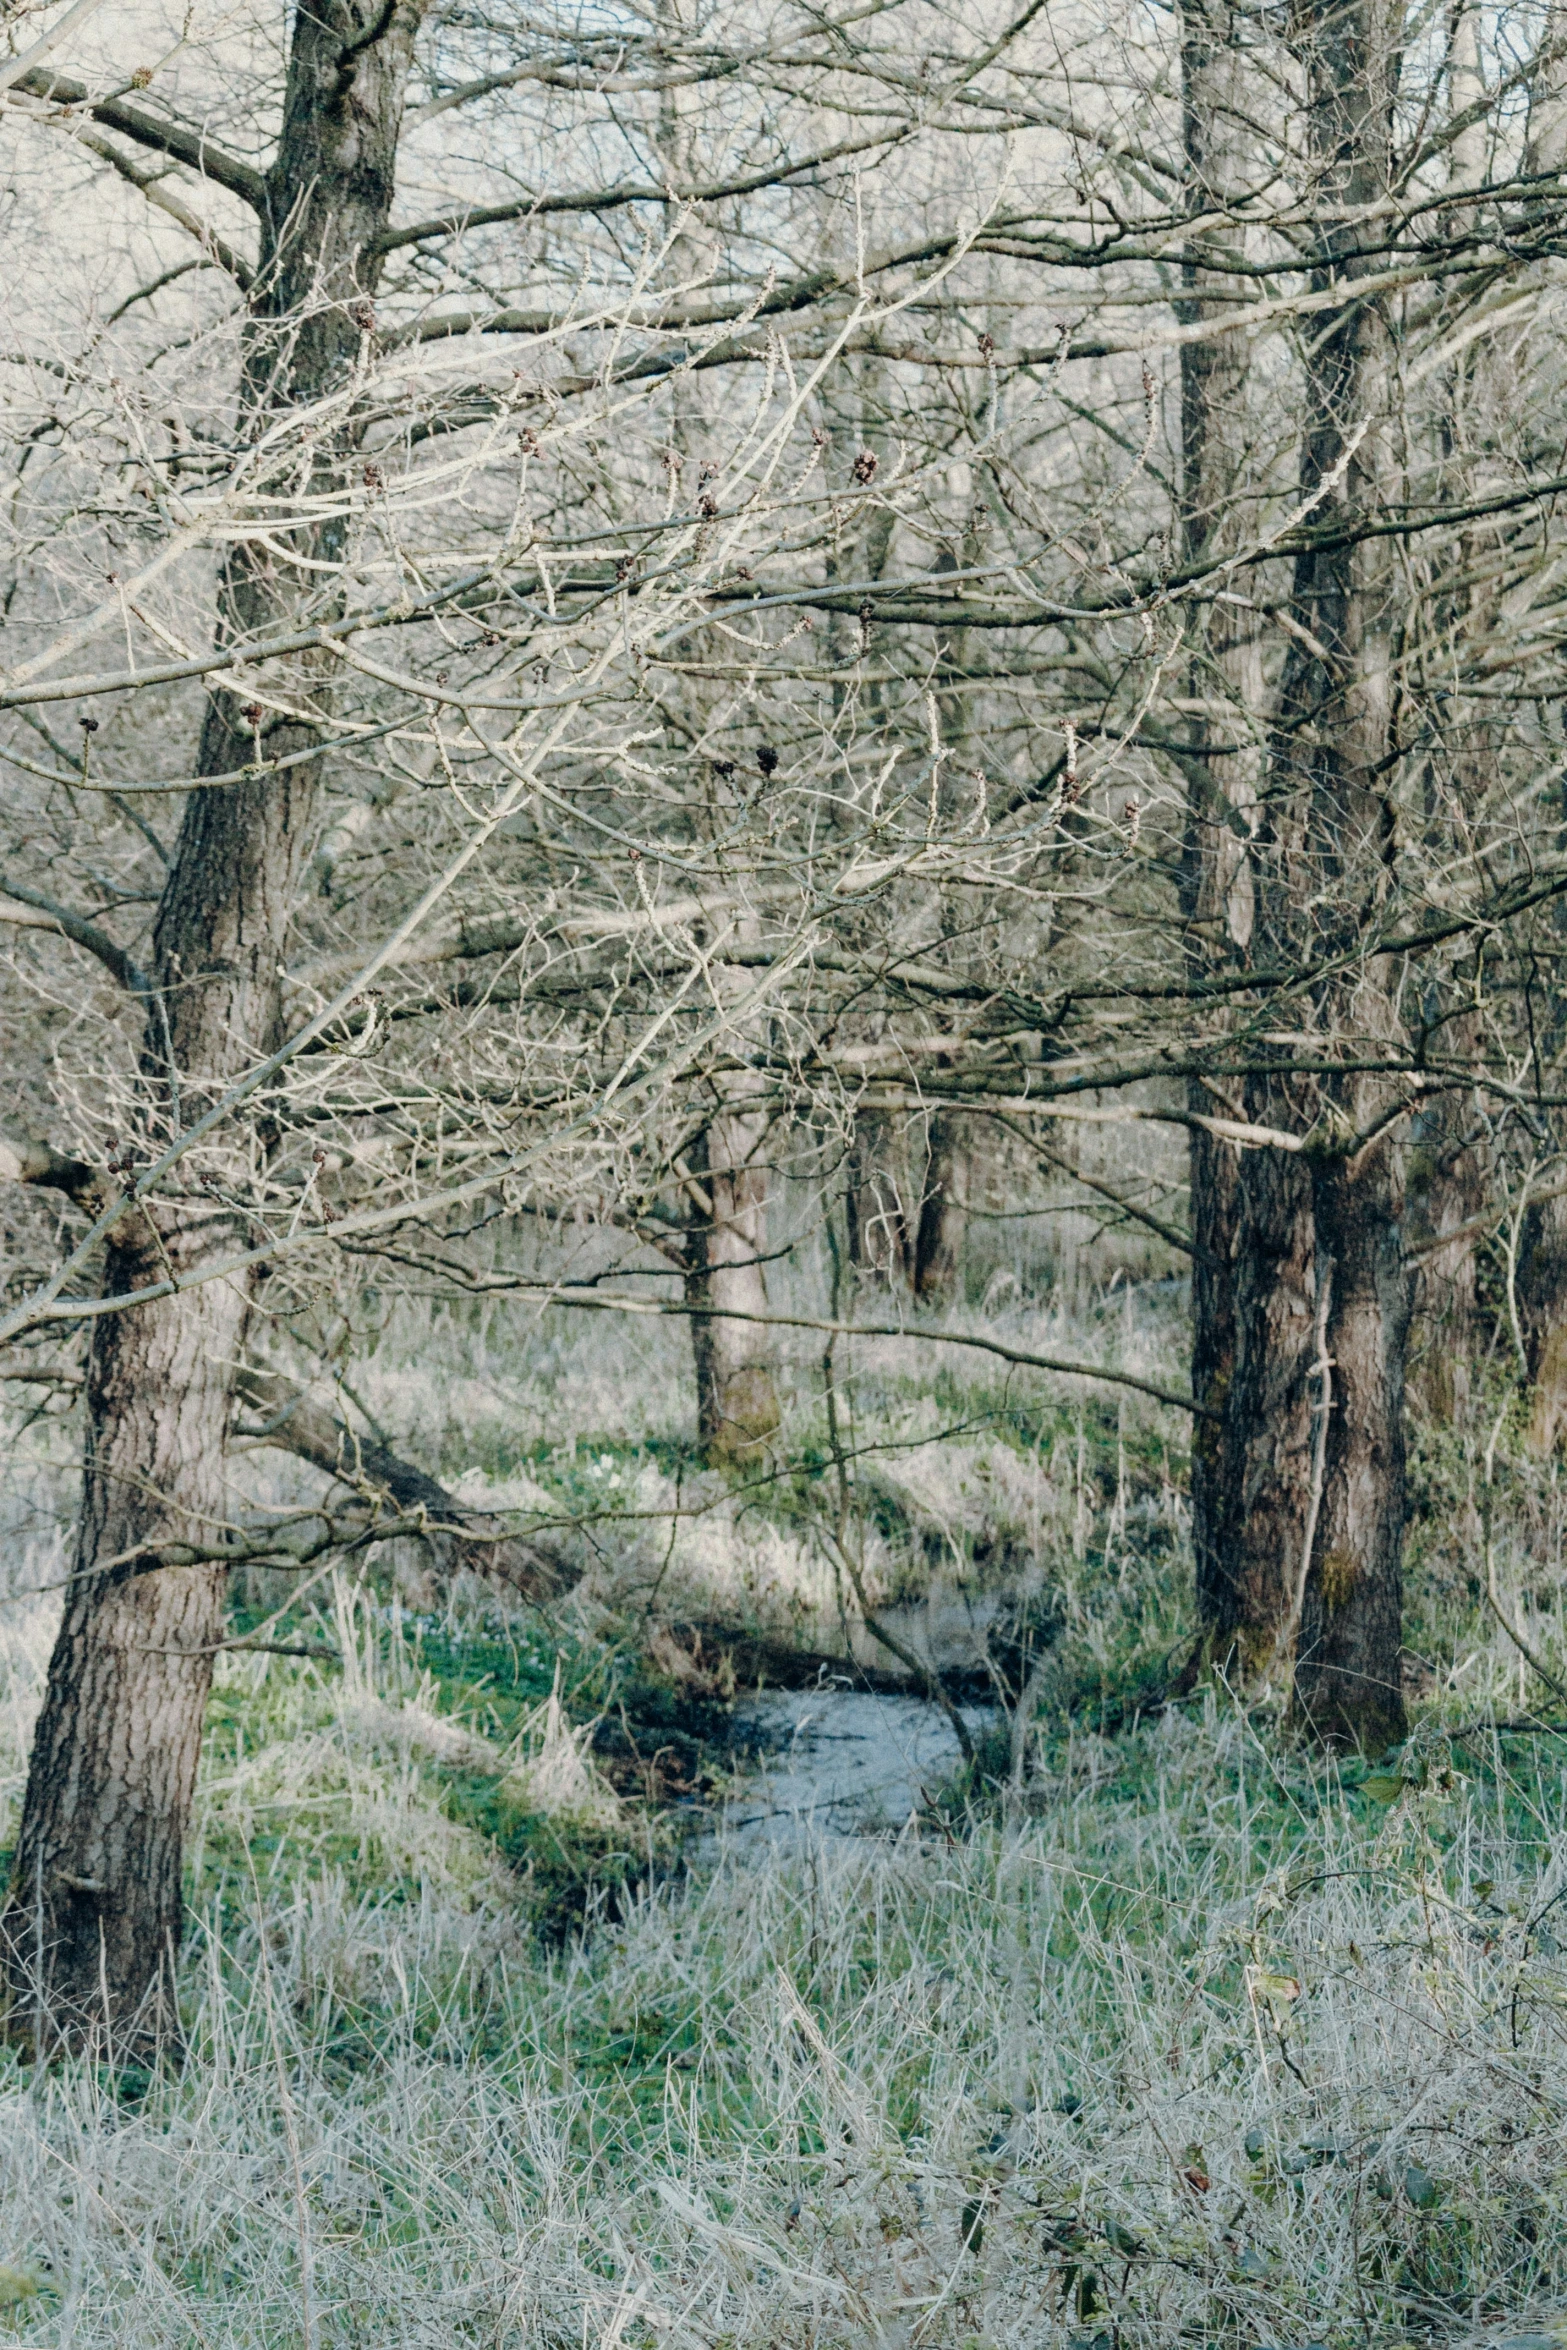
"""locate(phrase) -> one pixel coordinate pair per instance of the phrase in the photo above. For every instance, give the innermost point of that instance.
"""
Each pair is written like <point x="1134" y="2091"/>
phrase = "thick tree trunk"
<point x="1333" y="1343"/>
<point x="737" y="1395"/>
<point x="1540" y="1288"/>
<point x="1348" y="1673"/>
<point x="94" y="1915"/>
<point x="1348" y="1687"/>
<point x="1265" y="1442"/>
<point x="1227" y="675"/>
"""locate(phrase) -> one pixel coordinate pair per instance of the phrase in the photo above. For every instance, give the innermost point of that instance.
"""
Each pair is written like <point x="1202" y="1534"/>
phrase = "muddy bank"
<point x="713" y="1659"/>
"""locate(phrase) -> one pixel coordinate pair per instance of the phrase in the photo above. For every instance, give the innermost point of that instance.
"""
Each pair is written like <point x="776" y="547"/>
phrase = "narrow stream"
<point x="840" y="1763"/>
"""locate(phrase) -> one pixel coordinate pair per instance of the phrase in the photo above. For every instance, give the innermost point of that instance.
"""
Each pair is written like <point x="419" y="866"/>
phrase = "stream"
<point x="839" y="1763"/>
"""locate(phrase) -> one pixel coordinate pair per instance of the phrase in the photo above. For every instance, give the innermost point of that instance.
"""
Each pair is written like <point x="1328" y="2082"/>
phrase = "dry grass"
<point x="1187" y="2039"/>
<point x="912" y="2093"/>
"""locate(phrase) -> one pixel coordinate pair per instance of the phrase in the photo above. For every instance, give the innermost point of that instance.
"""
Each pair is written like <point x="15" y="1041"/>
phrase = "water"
<point x="840" y="1762"/>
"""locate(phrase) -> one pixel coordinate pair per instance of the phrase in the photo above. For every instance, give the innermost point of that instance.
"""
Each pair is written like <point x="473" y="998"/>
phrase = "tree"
<point x="611" y="796"/>
<point x="1227" y="684"/>
<point x="1315" y="1418"/>
<point x="93" y="1923"/>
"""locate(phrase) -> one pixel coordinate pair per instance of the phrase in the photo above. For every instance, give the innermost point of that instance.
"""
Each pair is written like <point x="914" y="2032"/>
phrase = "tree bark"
<point x="1348" y="1672"/>
<point x="938" y="1238"/>
<point x="737" y="1397"/>
<point x="1446" y="1185"/>
<point x="1221" y="810"/>
<point x="1329" y="1217"/>
<point x="1540" y="1288"/>
<point x="1446" y="1174"/>
<point x="94" y="1915"/>
<point x="1265" y="1442"/>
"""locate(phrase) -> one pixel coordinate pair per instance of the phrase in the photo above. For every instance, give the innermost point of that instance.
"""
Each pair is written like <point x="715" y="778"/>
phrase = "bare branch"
<point x="150" y="183"/>
<point x="180" y="140"/>
<point x="532" y="207"/>
<point x="461" y="1537"/>
<point x="29" y="909"/>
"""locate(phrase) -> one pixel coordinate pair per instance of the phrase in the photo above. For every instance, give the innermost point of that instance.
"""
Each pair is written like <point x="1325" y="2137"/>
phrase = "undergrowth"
<point x="1202" y="2042"/>
<point x="1153" y="2028"/>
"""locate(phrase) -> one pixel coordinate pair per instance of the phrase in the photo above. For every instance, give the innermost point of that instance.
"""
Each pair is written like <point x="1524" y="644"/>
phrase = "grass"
<point x="1202" y="2044"/>
<point x="1166" y="2035"/>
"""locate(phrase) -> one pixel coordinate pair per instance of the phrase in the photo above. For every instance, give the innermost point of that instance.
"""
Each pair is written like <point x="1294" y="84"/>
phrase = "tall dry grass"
<point x="1175" y="2037"/>
<point x="1196" y="2042"/>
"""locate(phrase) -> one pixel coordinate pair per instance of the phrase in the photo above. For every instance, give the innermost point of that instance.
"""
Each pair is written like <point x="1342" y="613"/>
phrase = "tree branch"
<point x="460" y="1537"/>
<point x="28" y="909"/>
<point x="179" y="140"/>
<point x="611" y="199"/>
<point x="149" y="184"/>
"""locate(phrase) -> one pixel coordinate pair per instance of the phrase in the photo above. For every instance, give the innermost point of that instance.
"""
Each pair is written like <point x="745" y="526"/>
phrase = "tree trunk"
<point x="1265" y="1442"/>
<point x="879" y="1196"/>
<point x="94" y="1915"/>
<point x="1333" y="1513"/>
<point x="1226" y="672"/>
<point x="737" y="1397"/>
<point x="1348" y="1679"/>
<point x="1540" y="1281"/>
<point x="938" y="1239"/>
<point x="1540" y="1288"/>
<point x="1446" y="1185"/>
<point x="1446" y="1174"/>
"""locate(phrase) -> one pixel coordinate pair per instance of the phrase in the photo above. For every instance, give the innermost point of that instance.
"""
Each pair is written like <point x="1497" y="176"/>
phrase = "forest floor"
<point x="503" y="2027"/>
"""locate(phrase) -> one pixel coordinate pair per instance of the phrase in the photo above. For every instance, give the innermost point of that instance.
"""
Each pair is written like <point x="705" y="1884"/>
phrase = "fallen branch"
<point x="461" y="1538"/>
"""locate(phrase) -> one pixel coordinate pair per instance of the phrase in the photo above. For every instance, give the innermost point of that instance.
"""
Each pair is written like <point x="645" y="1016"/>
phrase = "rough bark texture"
<point x="737" y="1397"/>
<point x="94" y="1916"/>
<point x="1348" y="1687"/>
<point x="938" y="1237"/>
<point x="1227" y="671"/>
<point x="1541" y="1289"/>
<point x="1266" y="1439"/>
<point x="1324" y="856"/>
<point x="1349" y="1664"/>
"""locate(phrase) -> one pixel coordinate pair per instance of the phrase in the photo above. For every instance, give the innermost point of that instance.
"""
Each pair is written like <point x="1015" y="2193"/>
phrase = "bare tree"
<point x="718" y="656"/>
<point x="94" y="1917"/>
